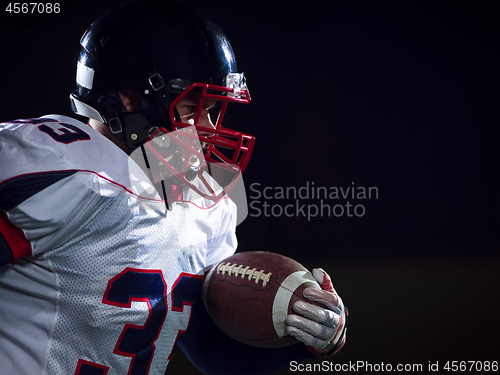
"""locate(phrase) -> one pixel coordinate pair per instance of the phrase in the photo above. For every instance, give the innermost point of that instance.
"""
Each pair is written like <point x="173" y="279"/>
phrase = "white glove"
<point x="320" y="328"/>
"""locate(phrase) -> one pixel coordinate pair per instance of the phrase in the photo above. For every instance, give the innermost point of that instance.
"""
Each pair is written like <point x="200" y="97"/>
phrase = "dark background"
<point x="402" y="96"/>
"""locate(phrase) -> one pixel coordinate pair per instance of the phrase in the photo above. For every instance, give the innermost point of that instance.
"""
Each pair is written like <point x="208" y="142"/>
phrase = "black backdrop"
<point x="398" y="96"/>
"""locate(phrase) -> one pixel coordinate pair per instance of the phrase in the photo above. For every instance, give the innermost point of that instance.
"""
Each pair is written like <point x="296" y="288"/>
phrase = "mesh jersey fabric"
<point x="111" y="273"/>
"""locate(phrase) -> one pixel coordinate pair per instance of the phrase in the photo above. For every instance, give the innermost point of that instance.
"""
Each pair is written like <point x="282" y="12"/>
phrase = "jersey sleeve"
<point x="46" y="189"/>
<point x="15" y="217"/>
<point x="39" y="210"/>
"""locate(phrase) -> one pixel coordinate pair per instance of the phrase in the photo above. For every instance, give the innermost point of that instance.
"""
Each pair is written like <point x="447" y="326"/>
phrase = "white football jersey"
<point x="101" y="276"/>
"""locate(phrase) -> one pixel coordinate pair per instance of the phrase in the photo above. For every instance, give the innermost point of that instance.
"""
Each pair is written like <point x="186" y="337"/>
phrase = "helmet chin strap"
<point x="163" y="91"/>
<point x="176" y="86"/>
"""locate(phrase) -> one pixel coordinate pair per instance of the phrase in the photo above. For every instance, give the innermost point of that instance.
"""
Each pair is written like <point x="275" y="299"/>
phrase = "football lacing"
<point x="236" y="270"/>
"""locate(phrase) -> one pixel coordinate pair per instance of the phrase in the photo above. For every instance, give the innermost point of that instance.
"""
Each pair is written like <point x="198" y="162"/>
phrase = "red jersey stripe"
<point x="14" y="236"/>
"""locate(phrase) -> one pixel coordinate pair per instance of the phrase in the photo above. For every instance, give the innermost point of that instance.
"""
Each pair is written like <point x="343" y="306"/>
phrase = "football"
<point x="248" y="295"/>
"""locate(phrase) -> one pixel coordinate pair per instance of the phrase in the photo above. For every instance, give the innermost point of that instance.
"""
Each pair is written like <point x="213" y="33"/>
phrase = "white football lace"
<point x="236" y="270"/>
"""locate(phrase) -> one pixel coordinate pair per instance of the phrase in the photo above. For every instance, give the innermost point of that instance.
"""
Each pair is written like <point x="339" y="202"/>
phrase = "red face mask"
<point x="191" y="150"/>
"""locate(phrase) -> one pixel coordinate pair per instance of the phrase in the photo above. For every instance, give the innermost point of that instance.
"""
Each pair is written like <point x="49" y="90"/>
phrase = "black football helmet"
<point x="164" y="51"/>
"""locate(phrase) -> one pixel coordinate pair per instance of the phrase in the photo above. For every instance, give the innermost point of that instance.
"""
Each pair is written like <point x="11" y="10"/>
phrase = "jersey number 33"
<point x="138" y="342"/>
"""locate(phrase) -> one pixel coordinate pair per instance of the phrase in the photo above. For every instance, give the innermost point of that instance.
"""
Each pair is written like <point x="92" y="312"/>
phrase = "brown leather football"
<point x="248" y="295"/>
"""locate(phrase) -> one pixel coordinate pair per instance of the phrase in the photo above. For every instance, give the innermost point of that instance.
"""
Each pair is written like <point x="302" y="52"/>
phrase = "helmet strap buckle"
<point x="156" y="80"/>
<point x="114" y="124"/>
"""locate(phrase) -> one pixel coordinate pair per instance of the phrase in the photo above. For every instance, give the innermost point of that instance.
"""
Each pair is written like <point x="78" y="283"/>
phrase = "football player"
<point x="106" y="229"/>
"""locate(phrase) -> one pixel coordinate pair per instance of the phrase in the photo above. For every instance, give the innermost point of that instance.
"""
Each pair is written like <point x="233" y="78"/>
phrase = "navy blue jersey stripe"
<point x="5" y="253"/>
<point x="16" y="190"/>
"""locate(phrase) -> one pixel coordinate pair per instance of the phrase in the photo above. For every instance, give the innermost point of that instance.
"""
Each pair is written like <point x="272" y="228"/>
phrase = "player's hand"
<point x="322" y="329"/>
